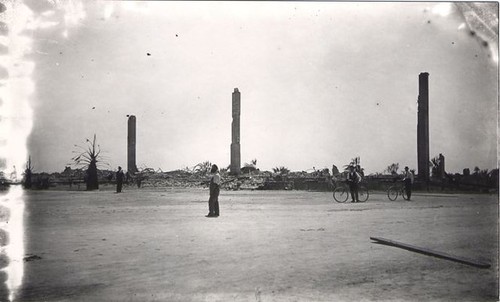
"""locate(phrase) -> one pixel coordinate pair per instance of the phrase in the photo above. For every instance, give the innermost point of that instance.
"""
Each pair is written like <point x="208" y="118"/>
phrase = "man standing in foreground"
<point x="353" y="179"/>
<point x="408" y="181"/>
<point x="213" y="201"/>
<point x="119" y="179"/>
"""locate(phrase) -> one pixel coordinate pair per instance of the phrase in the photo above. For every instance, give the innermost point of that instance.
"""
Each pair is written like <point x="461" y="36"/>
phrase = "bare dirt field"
<point x="156" y="245"/>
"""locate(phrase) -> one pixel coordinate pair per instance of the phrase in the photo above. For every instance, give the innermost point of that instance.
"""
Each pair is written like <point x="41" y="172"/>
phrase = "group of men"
<point x="354" y="178"/>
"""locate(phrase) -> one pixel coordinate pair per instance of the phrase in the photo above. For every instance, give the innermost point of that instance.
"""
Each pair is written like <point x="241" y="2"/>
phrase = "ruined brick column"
<point x="131" y="166"/>
<point x="423" y="127"/>
<point x="235" y="135"/>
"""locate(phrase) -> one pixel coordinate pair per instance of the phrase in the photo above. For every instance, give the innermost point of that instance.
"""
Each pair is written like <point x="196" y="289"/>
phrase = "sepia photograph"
<point x="266" y="151"/>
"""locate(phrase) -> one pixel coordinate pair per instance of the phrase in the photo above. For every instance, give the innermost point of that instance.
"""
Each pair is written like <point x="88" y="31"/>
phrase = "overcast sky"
<point x="320" y="83"/>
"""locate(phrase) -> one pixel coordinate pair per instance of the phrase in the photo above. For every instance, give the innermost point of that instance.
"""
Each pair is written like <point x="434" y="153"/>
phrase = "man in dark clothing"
<point x="408" y="181"/>
<point x="119" y="180"/>
<point x="213" y="201"/>
<point x="353" y="179"/>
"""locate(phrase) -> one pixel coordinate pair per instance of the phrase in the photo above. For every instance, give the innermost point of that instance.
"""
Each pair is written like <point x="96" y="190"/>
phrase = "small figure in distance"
<point x="408" y="181"/>
<point x="119" y="179"/>
<point x="353" y="179"/>
<point x="213" y="201"/>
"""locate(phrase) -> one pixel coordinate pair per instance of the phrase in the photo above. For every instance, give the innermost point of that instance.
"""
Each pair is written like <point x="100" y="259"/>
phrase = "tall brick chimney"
<point x="423" y="127"/>
<point x="131" y="144"/>
<point x="235" y="167"/>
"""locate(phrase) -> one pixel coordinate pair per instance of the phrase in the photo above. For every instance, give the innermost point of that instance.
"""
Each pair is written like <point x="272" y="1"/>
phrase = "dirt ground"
<point x="156" y="245"/>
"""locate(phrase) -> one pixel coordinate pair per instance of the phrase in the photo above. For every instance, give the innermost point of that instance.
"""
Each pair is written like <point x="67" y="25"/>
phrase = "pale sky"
<point x="320" y="83"/>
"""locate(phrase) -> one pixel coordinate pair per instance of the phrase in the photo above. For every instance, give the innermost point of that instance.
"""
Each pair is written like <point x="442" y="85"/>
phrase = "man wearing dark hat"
<point x="119" y="179"/>
<point x="408" y="181"/>
<point x="353" y="179"/>
<point x="213" y="201"/>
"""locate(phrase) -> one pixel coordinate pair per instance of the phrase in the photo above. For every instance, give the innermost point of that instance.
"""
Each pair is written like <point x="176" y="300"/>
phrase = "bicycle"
<point x="395" y="190"/>
<point x="341" y="193"/>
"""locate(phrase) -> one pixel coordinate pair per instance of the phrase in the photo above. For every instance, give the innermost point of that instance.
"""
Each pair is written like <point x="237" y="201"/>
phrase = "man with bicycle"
<point x="408" y="181"/>
<point x="353" y="179"/>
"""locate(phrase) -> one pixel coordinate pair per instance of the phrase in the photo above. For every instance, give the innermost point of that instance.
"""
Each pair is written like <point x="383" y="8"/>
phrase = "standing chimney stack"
<point x="235" y="167"/>
<point x="131" y="143"/>
<point x="423" y="127"/>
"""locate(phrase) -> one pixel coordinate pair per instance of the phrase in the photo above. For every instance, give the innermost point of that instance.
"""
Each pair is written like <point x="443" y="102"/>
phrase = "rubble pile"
<point x="251" y="181"/>
<point x="176" y="178"/>
<point x="254" y="179"/>
<point x="185" y="179"/>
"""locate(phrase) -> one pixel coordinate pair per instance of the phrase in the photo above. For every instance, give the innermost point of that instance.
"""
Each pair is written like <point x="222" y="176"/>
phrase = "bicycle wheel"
<point x="403" y="192"/>
<point x="363" y="194"/>
<point x="392" y="193"/>
<point x="340" y="194"/>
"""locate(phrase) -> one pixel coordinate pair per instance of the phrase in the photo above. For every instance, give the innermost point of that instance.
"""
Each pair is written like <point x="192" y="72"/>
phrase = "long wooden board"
<point x="430" y="252"/>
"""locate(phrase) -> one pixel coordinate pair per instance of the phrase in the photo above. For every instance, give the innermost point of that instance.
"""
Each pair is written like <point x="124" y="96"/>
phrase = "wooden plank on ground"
<point x="430" y="252"/>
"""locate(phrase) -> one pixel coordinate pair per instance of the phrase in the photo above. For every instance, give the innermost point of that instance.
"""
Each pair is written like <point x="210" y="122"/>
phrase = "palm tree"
<point x="281" y="170"/>
<point x="393" y="168"/>
<point x="89" y="157"/>
<point x="203" y="168"/>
